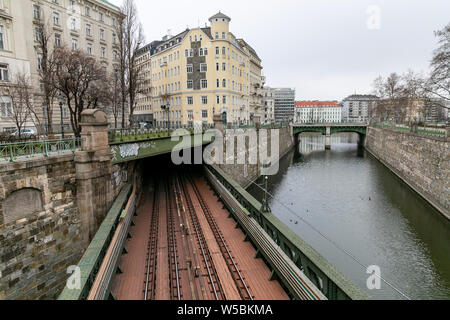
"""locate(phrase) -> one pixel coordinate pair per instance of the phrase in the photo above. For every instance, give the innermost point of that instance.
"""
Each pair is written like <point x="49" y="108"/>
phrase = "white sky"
<point x="323" y="48"/>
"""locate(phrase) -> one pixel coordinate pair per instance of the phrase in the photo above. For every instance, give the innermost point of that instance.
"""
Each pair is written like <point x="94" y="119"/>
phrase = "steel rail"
<point x="212" y="273"/>
<point x="173" y="260"/>
<point x="152" y="247"/>
<point x="244" y="291"/>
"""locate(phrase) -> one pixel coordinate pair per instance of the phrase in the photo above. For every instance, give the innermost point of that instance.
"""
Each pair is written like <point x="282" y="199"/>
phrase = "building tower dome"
<point x="220" y="17"/>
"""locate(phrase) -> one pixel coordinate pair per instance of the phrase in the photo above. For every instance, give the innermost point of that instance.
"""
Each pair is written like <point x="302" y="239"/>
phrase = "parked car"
<point x="24" y="133"/>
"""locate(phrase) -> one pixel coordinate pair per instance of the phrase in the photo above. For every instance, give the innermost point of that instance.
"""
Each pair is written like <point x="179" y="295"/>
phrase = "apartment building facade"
<point x="201" y="72"/>
<point x="284" y="104"/>
<point x="318" y="112"/>
<point x="88" y="25"/>
<point x="269" y="104"/>
<point x="356" y="108"/>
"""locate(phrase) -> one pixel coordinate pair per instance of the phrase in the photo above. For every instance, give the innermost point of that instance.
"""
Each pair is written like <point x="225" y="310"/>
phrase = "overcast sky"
<point x="325" y="49"/>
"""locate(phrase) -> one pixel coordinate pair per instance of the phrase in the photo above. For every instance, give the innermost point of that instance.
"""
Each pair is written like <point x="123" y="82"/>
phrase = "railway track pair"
<point x="179" y="185"/>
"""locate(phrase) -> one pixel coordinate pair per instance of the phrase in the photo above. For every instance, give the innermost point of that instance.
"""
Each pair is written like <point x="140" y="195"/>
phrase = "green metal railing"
<point x="12" y="151"/>
<point x="333" y="284"/>
<point x="429" y="131"/>
<point x="93" y="257"/>
<point x="129" y="135"/>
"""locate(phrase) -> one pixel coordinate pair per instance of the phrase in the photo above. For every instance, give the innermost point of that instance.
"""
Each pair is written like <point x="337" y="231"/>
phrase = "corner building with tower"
<point x="202" y="72"/>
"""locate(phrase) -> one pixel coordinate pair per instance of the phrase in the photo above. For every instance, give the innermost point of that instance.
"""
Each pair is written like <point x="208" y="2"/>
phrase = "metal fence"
<point x="12" y="151"/>
<point x="429" y="131"/>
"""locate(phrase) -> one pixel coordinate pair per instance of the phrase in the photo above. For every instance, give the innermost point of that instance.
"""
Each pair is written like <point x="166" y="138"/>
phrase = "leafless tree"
<point x="47" y="70"/>
<point x="82" y="81"/>
<point x="131" y="38"/>
<point x="20" y="91"/>
<point x="439" y="82"/>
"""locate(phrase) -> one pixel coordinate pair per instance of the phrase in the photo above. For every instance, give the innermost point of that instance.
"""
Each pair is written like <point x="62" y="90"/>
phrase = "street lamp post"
<point x="60" y="97"/>
<point x="167" y="108"/>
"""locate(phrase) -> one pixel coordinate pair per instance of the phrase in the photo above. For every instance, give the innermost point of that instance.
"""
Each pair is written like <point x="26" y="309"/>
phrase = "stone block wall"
<point x="39" y="227"/>
<point x="422" y="162"/>
<point x="245" y="174"/>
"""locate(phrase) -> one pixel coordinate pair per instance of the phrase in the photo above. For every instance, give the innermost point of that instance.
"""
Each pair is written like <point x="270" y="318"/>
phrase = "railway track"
<point x="238" y="278"/>
<point x="175" y="286"/>
<point x="214" y="282"/>
<point x="150" y="273"/>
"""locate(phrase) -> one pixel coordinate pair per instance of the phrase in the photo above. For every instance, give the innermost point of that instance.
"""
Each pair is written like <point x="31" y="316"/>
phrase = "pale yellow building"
<point x="88" y="25"/>
<point x="201" y="72"/>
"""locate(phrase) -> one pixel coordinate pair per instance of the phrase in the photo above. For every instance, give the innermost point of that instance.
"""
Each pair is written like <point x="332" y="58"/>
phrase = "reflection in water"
<point x="358" y="203"/>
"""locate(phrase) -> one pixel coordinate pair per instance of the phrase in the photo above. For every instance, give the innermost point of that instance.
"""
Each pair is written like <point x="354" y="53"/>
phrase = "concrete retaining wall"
<point x="245" y="174"/>
<point x="422" y="162"/>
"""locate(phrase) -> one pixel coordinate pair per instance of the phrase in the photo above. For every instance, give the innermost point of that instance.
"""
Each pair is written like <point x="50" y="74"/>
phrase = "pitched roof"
<point x="302" y="104"/>
<point x="220" y="15"/>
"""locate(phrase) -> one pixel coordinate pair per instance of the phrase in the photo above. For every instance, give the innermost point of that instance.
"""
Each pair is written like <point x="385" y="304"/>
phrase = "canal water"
<point x="360" y="207"/>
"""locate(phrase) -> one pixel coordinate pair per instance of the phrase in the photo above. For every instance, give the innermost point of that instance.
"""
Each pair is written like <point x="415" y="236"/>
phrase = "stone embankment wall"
<point x="39" y="227"/>
<point x="246" y="173"/>
<point x="422" y="162"/>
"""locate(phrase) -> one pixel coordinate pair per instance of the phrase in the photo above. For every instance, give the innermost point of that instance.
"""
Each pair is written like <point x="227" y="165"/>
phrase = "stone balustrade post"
<point x="93" y="173"/>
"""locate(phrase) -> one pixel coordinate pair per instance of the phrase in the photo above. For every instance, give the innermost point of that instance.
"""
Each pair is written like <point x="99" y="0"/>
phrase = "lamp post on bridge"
<point x="60" y="98"/>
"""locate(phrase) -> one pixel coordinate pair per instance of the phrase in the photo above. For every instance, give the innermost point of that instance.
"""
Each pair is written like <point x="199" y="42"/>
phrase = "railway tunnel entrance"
<point x="184" y="245"/>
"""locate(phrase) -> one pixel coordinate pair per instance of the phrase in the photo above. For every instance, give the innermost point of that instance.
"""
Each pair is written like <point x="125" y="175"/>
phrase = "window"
<point x="217" y="35"/>
<point x="87" y="11"/>
<point x="224" y="99"/>
<point x="224" y="66"/>
<point x="88" y="29"/>
<point x="204" y="114"/>
<point x="3" y="72"/>
<point x="190" y="100"/>
<point x="102" y="34"/>
<point x="190" y="84"/>
<point x="205" y="51"/>
<point x="6" y="110"/>
<point x="204" y="83"/>
<point x="203" y="67"/>
<point x="57" y="40"/>
<point x="217" y="66"/>
<point x="189" y="68"/>
<point x="217" y="83"/>
<point x="100" y="16"/>
<point x="72" y="4"/>
<point x="74" y="44"/>
<point x="39" y="61"/>
<point x="37" y="34"/>
<point x="218" y="99"/>
<point x="103" y="52"/>
<point x="89" y="48"/>
<point x="73" y="24"/>
<point x="223" y="35"/>
<point x="36" y="12"/>
<point x="190" y="114"/>
<point x="56" y="18"/>
<point x="2" y="44"/>
<point x="204" y="100"/>
<point x="200" y="52"/>
<point x="217" y="51"/>
<point x="113" y="22"/>
<point x="224" y="50"/>
<point x="224" y="83"/>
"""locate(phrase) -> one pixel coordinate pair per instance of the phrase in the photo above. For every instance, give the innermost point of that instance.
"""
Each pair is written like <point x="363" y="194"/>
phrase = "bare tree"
<point x="20" y="91"/>
<point x="47" y="71"/>
<point x="82" y="81"/>
<point x="439" y="82"/>
<point x="131" y="38"/>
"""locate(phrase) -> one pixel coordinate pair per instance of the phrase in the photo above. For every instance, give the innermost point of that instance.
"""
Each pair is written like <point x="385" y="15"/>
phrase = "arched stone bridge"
<point x="327" y="129"/>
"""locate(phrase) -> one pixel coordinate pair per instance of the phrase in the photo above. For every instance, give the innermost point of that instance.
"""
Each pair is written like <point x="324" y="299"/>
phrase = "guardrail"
<point x="320" y="272"/>
<point x="129" y="135"/>
<point x="93" y="258"/>
<point x="101" y="288"/>
<point x="11" y="151"/>
<point x="429" y="131"/>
